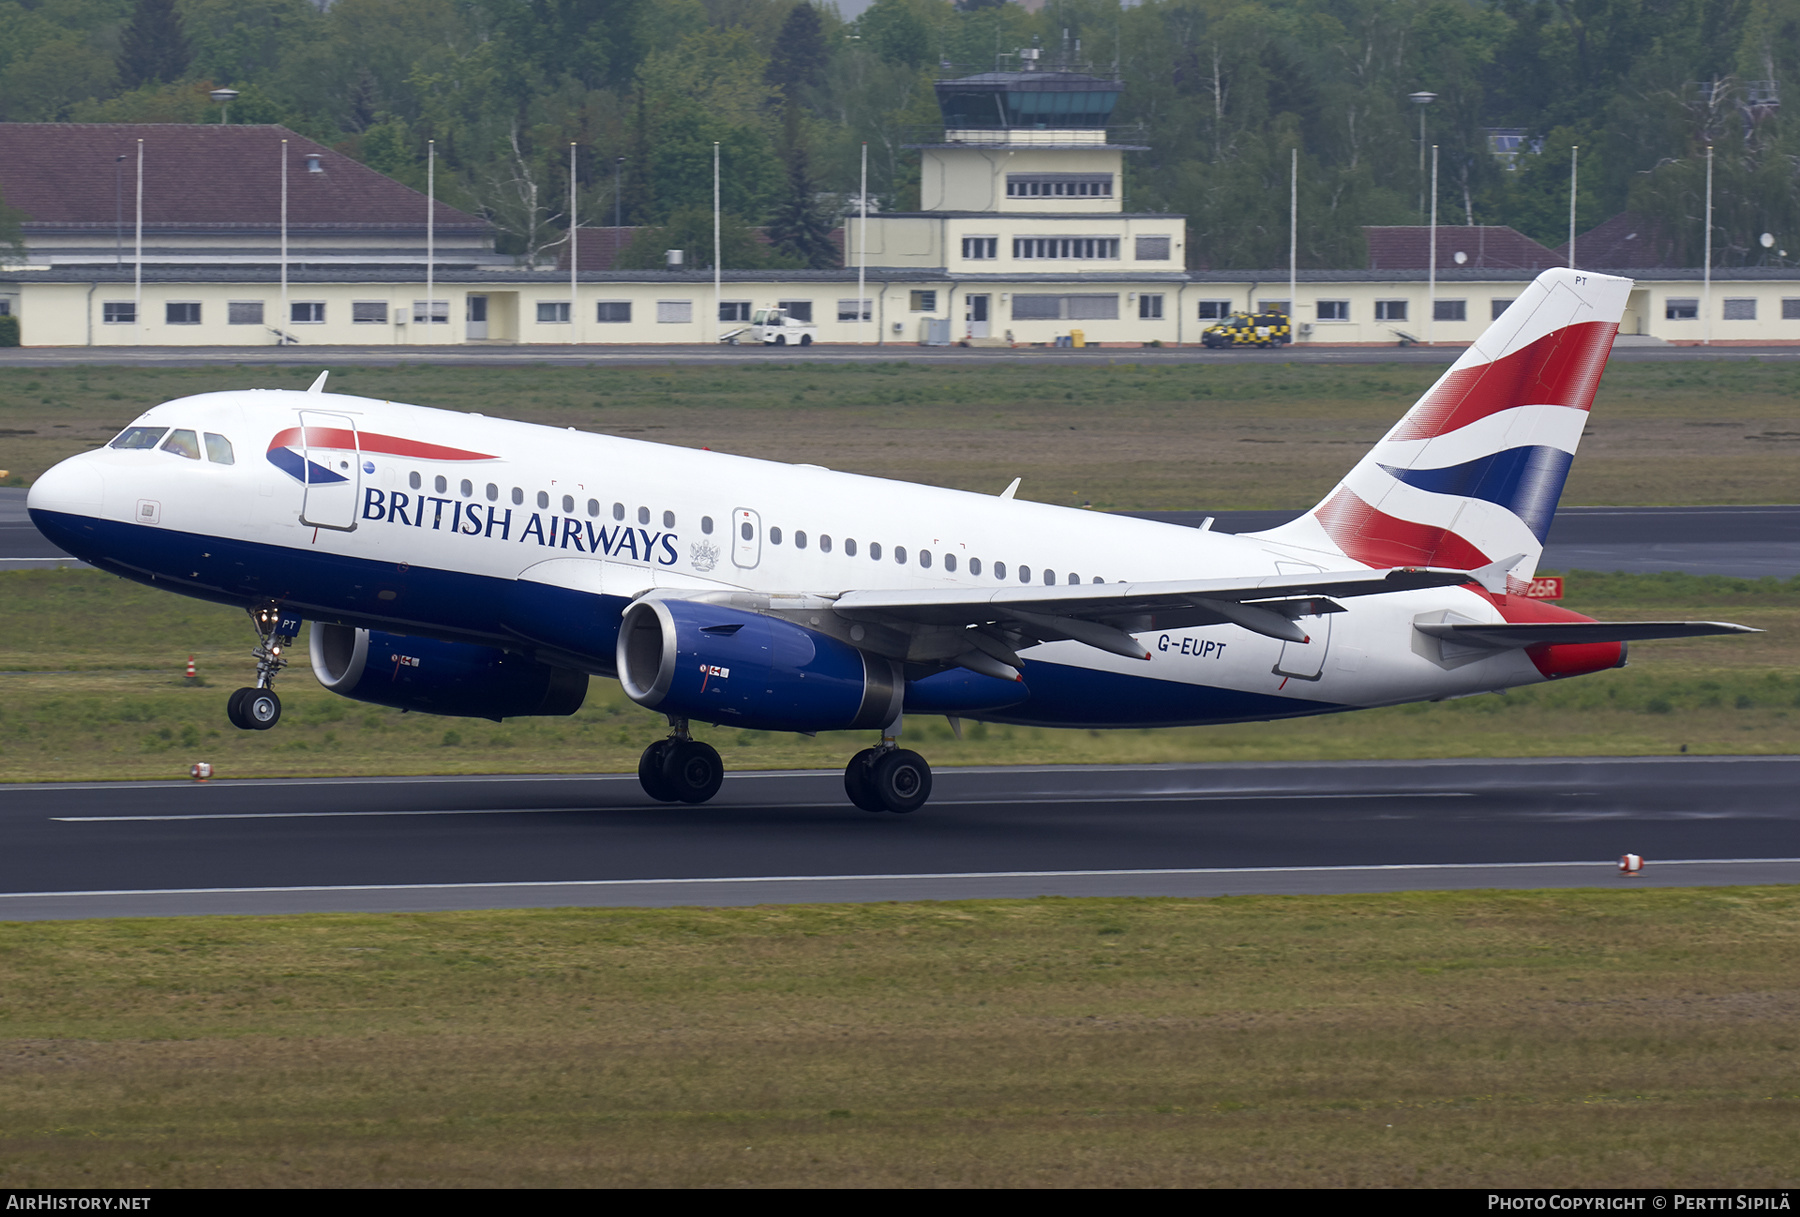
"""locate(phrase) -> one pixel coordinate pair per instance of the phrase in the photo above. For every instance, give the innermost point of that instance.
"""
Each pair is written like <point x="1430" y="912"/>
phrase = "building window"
<point x="552" y="312"/>
<point x="1214" y="310"/>
<point x="734" y="310"/>
<point x="1334" y="310"/>
<point x="1390" y="310"/>
<point x="1790" y="309"/>
<point x="1153" y="249"/>
<point x="1736" y="309"/>
<point x="119" y="312"/>
<point x="977" y="248"/>
<point x="5" y="306"/>
<point x="797" y="310"/>
<point x="307" y="312"/>
<point x="368" y="312"/>
<point x="244" y="312"/>
<point x="674" y="312"/>
<point x="188" y="313"/>
<point x="613" y="312"/>
<point x="1498" y="307"/>
<point x="924" y="302"/>
<point x="1059" y="185"/>
<point x="1150" y="308"/>
<point x="1681" y="310"/>
<point x="848" y="310"/>
<point x="1086" y="249"/>
<point x="1450" y="310"/>
<point x="1033" y="307"/>
<point x="438" y="312"/>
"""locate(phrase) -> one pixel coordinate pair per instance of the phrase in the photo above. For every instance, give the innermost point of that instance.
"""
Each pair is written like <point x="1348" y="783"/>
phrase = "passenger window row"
<point x="924" y="556"/>
<point x="441" y="484"/>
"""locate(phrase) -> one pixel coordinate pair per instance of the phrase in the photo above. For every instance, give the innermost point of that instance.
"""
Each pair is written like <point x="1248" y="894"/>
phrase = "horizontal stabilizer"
<point x="1531" y="633"/>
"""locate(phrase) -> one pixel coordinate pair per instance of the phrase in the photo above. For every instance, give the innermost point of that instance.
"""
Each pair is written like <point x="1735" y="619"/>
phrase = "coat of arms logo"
<point x="704" y="555"/>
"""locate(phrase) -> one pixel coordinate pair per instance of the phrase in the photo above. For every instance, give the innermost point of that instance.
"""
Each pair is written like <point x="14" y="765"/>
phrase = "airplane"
<point x="456" y="564"/>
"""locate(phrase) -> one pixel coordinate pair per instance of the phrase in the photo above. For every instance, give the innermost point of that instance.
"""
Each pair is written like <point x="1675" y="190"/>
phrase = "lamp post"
<point x="119" y="209"/>
<point x="224" y="97"/>
<point x="618" y="196"/>
<point x="1421" y="99"/>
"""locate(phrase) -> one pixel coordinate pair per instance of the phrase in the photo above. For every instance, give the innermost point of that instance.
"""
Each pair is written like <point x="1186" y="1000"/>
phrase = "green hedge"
<point x="9" y="331"/>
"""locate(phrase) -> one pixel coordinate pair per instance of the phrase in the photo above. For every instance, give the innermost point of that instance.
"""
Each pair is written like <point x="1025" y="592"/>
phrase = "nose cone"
<point x="74" y="487"/>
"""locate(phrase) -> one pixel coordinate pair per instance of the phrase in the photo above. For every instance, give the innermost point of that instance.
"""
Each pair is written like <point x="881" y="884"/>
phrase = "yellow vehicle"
<point x="1249" y="330"/>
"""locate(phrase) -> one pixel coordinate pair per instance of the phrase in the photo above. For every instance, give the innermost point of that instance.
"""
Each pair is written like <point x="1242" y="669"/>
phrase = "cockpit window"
<point x="183" y="443"/>
<point x="139" y="437"/>
<point x="218" y="450"/>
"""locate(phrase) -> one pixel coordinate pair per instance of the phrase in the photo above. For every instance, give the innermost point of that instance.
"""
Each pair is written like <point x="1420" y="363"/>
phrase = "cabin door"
<point x="332" y="458"/>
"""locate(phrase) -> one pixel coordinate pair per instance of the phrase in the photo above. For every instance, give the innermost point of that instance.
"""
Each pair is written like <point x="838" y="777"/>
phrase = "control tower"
<point x="1022" y="210"/>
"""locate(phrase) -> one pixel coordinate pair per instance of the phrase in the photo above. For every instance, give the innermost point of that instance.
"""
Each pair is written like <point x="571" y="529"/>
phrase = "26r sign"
<point x="1547" y="588"/>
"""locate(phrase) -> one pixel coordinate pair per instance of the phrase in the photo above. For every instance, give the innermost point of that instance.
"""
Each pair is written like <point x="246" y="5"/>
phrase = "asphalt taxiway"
<point x="162" y="849"/>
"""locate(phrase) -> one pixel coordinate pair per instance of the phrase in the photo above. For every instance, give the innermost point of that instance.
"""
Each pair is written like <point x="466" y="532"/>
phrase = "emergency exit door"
<point x="975" y="315"/>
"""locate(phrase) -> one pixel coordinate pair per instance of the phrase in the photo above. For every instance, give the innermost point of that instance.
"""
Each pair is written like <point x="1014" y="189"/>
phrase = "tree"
<point x="797" y="61"/>
<point x="154" y="49"/>
<point x="800" y="229"/>
<point x="691" y="229"/>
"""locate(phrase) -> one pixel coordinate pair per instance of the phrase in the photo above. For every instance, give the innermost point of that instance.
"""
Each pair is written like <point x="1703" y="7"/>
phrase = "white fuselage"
<point x="522" y="505"/>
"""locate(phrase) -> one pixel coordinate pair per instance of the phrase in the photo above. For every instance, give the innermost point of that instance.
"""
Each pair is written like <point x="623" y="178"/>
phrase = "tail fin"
<point x="1473" y="472"/>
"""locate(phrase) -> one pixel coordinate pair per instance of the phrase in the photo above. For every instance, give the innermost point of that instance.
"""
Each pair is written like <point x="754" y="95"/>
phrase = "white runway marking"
<point x="1610" y="864"/>
<point x="540" y="811"/>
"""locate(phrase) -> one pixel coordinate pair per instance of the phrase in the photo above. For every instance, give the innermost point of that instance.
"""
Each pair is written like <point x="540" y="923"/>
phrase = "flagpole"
<point x="1706" y="295"/>
<point x="1431" y="302"/>
<point x="863" y="311"/>
<point x="573" y="248"/>
<point x="137" y="271"/>
<point x="281" y="334"/>
<point x="431" y="232"/>
<point x="716" y="289"/>
<point x="1574" y="156"/>
<point x="1293" y="242"/>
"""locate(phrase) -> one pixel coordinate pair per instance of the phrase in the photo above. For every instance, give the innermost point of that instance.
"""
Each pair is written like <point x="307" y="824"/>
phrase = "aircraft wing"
<point x="1530" y="633"/>
<point x="1104" y="615"/>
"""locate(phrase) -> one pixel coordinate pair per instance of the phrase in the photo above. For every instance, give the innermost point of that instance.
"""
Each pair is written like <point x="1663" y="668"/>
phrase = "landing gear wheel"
<point x="859" y="781"/>
<point x="901" y="780"/>
<point x="692" y="771"/>
<point x="260" y="708"/>
<point x="806" y="340"/>
<point x="650" y="771"/>
<point x="234" y="710"/>
<point x="781" y="340"/>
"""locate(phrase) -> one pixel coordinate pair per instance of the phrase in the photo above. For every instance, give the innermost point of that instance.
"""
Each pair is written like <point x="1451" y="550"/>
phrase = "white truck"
<point x="773" y="327"/>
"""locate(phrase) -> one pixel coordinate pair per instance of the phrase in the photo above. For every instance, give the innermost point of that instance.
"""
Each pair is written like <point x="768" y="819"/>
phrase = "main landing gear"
<point x="680" y="769"/>
<point x="258" y="709"/>
<point x="888" y="777"/>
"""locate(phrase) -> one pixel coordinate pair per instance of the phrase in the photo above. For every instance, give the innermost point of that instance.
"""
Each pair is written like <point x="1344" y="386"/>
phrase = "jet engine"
<point x="745" y="669"/>
<point x="453" y="678"/>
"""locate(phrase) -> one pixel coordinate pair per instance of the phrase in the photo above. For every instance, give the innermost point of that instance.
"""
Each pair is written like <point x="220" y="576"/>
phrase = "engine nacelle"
<point x="452" y="678"/>
<point x="745" y="669"/>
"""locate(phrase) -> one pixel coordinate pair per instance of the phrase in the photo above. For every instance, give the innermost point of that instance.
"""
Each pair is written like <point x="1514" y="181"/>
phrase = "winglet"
<point x="318" y="386"/>
<point x="1493" y="576"/>
<point x="1011" y="489"/>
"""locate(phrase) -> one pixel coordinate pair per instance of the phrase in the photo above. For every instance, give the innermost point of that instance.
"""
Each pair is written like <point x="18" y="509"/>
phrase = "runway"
<point x="163" y="849"/>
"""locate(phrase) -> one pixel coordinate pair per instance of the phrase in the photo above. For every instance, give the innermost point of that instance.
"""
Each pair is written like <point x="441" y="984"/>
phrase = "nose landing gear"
<point x="258" y="709"/>
<point x="680" y="769"/>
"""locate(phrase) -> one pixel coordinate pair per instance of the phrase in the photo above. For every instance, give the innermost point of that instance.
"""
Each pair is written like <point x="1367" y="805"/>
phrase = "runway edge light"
<point x="200" y="771"/>
<point x="1631" y="864"/>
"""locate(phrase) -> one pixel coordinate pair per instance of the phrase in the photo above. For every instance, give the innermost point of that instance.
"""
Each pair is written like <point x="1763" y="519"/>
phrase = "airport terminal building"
<point x="1025" y="240"/>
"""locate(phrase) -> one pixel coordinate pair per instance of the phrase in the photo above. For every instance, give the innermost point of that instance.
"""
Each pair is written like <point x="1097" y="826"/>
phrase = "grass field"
<point x="1604" y="1038"/>
<point x="92" y="687"/>
<point x="1125" y="436"/>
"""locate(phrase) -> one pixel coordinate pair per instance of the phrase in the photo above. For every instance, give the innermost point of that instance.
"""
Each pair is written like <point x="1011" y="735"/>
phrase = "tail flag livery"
<point x="1473" y="472"/>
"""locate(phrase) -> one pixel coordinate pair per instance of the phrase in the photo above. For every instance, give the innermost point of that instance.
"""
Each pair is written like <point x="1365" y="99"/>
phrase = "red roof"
<point x="1625" y="242"/>
<point x="1483" y="247"/>
<point x="199" y="175"/>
